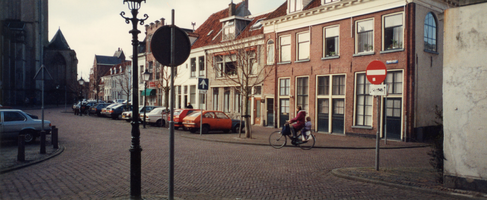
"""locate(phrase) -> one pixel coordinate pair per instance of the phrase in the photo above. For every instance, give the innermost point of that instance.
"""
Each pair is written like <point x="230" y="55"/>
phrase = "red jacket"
<point x="300" y="120"/>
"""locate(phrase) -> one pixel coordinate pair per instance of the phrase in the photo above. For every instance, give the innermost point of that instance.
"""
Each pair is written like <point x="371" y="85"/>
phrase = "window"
<point x="219" y="66"/>
<point x="331" y="41"/>
<point x="257" y="90"/>
<point x="220" y="115"/>
<point x="303" y="46"/>
<point x="158" y="71"/>
<point x="365" y="36"/>
<point x="270" y="52"/>
<point x="193" y="67"/>
<point x="284" y="87"/>
<point x="150" y="69"/>
<point x="229" y="30"/>
<point x="302" y="92"/>
<point x="13" y="116"/>
<point x="201" y="63"/>
<point x="215" y="98"/>
<point x="238" y="101"/>
<point x="257" y="24"/>
<point x="226" y="100"/>
<point x="323" y="85"/>
<point x="329" y="1"/>
<point x="338" y="85"/>
<point x="363" y="113"/>
<point x="192" y="93"/>
<point x="295" y="5"/>
<point x="285" y="48"/>
<point x="231" y="68"/>
<point x="394" y="82"/>
<point x="393" y="32"/>
<point x="252" y="62"/>
<point x="185" y="89"/>
<point x="225" y="65"/>
<point x="430" y="33"/>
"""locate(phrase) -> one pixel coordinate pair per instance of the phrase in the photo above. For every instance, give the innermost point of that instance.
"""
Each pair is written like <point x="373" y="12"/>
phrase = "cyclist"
<point x="298" y="121"/>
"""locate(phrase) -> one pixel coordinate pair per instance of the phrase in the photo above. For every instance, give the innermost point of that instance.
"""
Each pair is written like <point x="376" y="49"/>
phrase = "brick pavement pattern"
<point x="95" y="165"/>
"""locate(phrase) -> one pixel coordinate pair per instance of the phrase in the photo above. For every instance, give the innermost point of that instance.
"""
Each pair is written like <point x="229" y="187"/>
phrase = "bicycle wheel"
<point x="277" y="140"/>
<point x="310" y="143"/>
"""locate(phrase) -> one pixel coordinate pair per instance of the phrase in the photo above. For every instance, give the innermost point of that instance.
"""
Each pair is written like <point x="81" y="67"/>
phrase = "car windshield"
<point x="195" y="114"/>
<point x="177" y="112"/>
<point x="157" y="110"/>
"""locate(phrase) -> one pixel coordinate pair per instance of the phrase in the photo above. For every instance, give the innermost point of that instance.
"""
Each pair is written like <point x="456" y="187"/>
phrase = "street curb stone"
<point x="16" y="167"/>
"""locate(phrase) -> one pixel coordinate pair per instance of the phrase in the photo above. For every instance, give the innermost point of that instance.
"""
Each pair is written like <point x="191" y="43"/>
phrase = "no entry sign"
<point x="376" y="72"/>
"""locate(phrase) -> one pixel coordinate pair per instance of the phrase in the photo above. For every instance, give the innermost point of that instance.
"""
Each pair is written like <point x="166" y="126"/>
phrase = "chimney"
<point x="231" y="9"/>
<point x="163" y="21"/>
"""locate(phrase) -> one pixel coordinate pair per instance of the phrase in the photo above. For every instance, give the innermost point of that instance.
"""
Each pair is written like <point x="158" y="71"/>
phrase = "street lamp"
<point x="81" y="83"/>
<point x="135" y="149"/>
<point x="146" y="76"/>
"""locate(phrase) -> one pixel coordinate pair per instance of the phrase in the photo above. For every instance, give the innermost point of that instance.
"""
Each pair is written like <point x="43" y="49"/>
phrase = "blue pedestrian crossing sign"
<point x="203" y="84"/>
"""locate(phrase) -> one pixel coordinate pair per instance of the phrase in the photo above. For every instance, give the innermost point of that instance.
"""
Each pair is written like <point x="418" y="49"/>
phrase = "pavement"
<point x="421" y="179"/>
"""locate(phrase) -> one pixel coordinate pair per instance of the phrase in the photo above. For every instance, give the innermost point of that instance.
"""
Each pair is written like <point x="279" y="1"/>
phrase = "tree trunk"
<point x="248" y="133"/>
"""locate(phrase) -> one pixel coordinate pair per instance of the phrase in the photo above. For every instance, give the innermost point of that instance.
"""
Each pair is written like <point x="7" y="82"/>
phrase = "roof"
<point x="282" y="10"/>
<point x="58" y="42"/>
<point x="107" y="60"/>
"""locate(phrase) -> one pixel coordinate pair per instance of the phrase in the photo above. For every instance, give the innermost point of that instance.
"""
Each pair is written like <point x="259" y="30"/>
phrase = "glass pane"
<point x="395" y="20"/>
<point x="285" y="40"/>
<point x="303" y="53"/>
<point x="286" y="53"/>
<point x="331" y="32"/>
<point x="302" y="37"/>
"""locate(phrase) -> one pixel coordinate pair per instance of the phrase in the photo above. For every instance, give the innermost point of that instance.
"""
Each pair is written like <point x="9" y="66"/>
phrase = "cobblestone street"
<point x="95" y="164"/>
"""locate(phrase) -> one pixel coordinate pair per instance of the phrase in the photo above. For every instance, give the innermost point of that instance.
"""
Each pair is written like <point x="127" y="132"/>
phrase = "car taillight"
<point x="111" y="111"/>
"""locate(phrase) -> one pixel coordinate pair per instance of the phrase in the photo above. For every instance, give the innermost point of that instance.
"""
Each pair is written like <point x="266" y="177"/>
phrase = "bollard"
<point x="43" y="142"/>
<point x="21" y="145"/>
<point x="54" y="137"/>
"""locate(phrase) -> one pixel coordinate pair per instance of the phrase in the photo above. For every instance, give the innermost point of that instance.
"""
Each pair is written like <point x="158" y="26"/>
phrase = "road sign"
<point x="203" y="84"/>
<point x="161" y="46"/>
<point x="376" y="72"/>
<point x="378" y="90"/>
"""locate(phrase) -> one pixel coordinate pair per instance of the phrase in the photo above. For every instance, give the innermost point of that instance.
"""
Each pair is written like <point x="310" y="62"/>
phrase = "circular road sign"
<point x="376" y="72"/>
<point x="161" y="46"/>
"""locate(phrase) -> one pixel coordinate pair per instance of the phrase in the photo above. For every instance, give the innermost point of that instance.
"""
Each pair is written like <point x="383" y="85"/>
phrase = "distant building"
<point x="101" y="66"/>
<point x="24" y="48"/>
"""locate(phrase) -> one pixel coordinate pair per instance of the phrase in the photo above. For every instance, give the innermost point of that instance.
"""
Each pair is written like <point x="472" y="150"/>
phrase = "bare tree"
<point x="236" y="62"/>
<point x="123" y="80"/>
<point x="165" y="80"/>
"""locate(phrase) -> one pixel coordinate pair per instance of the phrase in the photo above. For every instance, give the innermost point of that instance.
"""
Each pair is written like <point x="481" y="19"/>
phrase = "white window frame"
<point x="270" y="52"/>
<point x="294" y="6"/>
<point x="330" y="96"/>
<point x="400" y="42"/>
<point x="368" y="107"/>
<point x="337" y="41"/>
<point x="357" y="39"/>
<point x="302" y="46"/>
<point x="286" y="46"/>
<point x="306" y="92"/>
<point x="288" y="86"/>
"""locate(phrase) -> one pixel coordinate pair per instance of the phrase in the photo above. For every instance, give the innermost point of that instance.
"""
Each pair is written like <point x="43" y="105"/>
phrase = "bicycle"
<point x="278" y="140"/>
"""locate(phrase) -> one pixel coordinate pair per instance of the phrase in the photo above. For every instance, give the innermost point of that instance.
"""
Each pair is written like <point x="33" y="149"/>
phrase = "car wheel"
<point x="185" y="129"/>
<point x="30" y="136"/>
<point x="226" y="131"/>
<point x="205" y="129"/>
<point x="160" y="123"/>
<point x="192" y="130"/>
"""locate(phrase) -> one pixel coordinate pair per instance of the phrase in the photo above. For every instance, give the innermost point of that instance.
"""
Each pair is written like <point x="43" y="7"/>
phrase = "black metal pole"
<point x="145" y="100"/>
<point x="135" y="148"/>
<point x="171" y="123"/>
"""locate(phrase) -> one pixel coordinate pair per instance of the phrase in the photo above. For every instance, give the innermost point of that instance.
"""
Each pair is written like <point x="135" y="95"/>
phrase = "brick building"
<point x="321" y="48"/>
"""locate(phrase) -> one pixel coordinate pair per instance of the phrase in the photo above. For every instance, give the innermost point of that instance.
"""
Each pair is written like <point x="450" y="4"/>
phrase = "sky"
<point x="94" y="27"/>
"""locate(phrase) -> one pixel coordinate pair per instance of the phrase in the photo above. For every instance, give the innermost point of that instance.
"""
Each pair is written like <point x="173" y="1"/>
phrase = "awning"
<point x="149" y="92"/>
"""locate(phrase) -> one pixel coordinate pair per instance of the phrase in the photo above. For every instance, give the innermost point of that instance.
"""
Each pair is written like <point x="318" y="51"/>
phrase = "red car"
<point x="179" y="115"/>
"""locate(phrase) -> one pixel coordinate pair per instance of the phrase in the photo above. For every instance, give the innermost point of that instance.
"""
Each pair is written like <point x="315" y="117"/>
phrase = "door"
<point x="337" y="118"/>
<point x="323" y="115"/>
<point x="283" y="111"/>
<point x="393" y="112"/>
<point x="270" y="112"/>
<point x="257" y="110"/>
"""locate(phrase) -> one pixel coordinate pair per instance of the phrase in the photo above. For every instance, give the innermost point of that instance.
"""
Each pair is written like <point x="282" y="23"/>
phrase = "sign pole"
<point x="171" y="123"/>
<point x="377" y="139"/>
<point x="385" y="118"/>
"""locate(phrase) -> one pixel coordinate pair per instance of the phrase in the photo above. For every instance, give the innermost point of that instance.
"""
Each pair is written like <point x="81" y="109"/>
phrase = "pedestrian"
<point x="189" y="106"/>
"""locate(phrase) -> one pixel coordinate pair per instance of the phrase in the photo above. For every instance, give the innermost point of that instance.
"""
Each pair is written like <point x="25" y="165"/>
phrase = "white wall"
<point x="465" y="93"/>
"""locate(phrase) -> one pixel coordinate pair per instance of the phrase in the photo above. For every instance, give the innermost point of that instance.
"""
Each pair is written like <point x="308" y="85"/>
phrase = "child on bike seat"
<point x="307" y="129"/>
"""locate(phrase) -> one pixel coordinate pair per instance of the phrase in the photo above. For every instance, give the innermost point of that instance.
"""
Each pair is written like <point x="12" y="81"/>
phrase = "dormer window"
<point x="294" y="5"/>
<point x="328" y="1"/>
<point x="229" y="30"/>
<point x="257" y="25"/>
<point x="209" y="33"/>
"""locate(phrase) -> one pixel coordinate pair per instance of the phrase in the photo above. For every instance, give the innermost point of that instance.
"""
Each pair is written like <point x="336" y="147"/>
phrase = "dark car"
<point x="116" y="111"/>
<point x="96" y="109"/>
<point x="179" y="115"/>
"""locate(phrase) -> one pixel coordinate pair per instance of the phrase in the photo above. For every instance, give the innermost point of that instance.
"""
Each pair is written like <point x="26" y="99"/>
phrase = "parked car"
<point x="14" y="122"/>
<point x="212" y="120"/>
<point x="104" y="111"/>
<point x="155" y="117"/>
<point x="127" y="115"/>
<point x="116" y="111"/>
<point x="179" y="115"/>
<point x="96" y="109"/>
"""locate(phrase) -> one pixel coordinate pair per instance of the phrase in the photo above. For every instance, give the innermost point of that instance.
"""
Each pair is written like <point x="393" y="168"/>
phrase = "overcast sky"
<point x="94" y="27"/>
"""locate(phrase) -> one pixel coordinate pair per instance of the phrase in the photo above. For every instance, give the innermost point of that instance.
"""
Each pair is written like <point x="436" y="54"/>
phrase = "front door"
<point x="337" y="121"/>
<point x="393" y="112"/>
<point x="283" y="111"/>
<point x="323" y="115"/>
<point x="270" y="112"/>
<point x="257" y="111"/>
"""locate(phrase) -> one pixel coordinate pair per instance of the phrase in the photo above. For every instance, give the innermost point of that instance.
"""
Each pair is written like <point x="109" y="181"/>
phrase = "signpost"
<point x="203" y="87"/>
<point x="376" y="74"/>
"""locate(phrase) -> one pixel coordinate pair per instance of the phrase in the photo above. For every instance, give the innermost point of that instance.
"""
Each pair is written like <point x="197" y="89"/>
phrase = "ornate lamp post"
<point x="135" y="149"/>
<point x="146" y="76"/>
<point x="81" y="83"/>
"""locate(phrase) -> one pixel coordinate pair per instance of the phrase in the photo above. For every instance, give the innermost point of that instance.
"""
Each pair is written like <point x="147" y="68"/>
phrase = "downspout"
<point x="276" y="103"/>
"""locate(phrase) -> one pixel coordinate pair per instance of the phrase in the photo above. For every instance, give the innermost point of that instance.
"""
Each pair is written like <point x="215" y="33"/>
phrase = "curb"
<point x="54" y="154"/>
<point x="319" y="147"/>
<point x="456" y="192"/>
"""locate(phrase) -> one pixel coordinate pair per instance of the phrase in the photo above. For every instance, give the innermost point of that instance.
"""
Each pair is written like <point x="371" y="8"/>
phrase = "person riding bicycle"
<point x="298" y="121"/>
